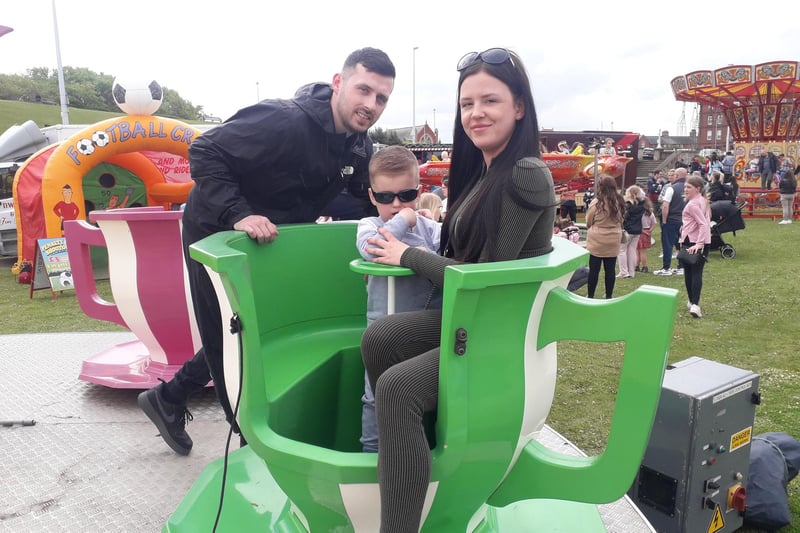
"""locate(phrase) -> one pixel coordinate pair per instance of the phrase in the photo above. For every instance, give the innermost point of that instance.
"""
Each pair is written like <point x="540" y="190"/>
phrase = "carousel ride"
<point x="762" y="108"/>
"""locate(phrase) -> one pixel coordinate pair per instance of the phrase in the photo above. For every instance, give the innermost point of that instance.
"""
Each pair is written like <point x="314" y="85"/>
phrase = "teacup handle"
<point x="542" y="473"/>
<point x="80" y="235"/>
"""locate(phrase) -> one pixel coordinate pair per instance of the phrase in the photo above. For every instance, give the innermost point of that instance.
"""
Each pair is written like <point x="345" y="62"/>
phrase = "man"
<point x="276" y="162"/>
<point x="671" y="218"/>
<point x="767" y="167"/>
<point x="655" y="182"/>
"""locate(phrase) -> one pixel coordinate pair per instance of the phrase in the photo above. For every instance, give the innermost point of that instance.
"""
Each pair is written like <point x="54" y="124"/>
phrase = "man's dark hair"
<point x="373" y="60"/>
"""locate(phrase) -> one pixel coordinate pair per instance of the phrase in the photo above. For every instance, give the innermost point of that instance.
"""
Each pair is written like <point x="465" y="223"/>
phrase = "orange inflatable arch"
<point x="115" y="141"/>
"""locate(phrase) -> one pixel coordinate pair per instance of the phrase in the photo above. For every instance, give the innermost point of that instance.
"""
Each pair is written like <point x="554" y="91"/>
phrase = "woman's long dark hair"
<point x="467" y="165"/>
<point x="609" y="198"/>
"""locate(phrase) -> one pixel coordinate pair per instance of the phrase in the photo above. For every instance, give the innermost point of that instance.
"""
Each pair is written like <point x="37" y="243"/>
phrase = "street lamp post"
<point x="62" y="92"/>
<point x="414" y="96"/>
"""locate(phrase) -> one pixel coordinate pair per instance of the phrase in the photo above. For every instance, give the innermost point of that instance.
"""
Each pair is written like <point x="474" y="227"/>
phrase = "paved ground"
<point x="94" y="463"/>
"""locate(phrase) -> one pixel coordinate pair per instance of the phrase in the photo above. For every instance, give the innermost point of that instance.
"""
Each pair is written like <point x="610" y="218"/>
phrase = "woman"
<point x="716" y="189"/>
<point x="695" y="235"/>
<point x="788" y="188"/>
<point x="604" y="222"/>
<point x="713" y="164"/>
<point x="632" y="226"/>
<point x="502" y="207"/>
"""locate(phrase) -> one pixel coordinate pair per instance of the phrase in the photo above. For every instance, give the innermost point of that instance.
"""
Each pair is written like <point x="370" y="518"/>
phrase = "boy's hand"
<point x="410" y="215"/>
<point x="425" y="213"/>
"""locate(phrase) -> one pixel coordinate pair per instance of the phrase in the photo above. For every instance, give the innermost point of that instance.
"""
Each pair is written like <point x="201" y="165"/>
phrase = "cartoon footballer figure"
<point x="66" y="209"/>
<point x="114" y="203"/>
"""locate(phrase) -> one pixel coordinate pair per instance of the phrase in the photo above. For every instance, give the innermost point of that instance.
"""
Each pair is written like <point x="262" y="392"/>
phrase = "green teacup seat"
<point x="302" y="312"/>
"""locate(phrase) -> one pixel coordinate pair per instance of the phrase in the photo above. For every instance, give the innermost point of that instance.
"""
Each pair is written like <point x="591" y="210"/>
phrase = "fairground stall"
<point x="760" y="103"/>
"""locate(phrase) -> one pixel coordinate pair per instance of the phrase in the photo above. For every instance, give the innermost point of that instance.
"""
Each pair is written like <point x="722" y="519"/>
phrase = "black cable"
<point x="235" y="328"/>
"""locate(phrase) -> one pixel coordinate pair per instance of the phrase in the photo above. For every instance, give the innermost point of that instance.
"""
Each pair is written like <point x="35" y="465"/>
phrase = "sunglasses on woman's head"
<point x="407" y="195"/>
<point x="492" y="56"/>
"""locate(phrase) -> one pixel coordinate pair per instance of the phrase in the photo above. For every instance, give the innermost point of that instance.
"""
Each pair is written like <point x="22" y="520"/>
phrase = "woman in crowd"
<point x="695" y="236"/>
<point x="502" y="207"/>
<point x="716" y="189"/>
<point x="604" y="222"/>
<point x="788" y="188"/>
<point x="632" y="226"/>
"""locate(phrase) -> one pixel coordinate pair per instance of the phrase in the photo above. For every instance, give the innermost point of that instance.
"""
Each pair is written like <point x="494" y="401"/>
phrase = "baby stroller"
<point x="726" y="216"/>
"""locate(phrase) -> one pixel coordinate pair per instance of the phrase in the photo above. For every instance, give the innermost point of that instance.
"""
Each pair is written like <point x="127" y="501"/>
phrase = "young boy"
<point x="394" y="186"/>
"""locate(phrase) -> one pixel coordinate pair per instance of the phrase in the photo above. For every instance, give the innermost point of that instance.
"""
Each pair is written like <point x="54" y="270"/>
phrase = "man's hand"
<point x="257" y="227"/>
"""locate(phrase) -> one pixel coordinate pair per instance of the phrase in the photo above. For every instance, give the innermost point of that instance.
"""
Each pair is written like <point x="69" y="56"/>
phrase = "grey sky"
<point x="593" y="65"/>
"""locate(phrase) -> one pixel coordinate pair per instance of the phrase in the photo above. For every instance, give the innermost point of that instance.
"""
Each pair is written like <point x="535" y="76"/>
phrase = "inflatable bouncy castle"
<point x="129" y="161"/>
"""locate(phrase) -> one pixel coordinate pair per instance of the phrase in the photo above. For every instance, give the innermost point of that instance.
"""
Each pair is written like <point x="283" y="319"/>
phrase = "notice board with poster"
<point x="51" y="266"/>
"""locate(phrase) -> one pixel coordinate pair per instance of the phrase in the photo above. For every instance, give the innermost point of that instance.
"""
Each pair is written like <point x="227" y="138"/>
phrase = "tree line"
<point x="85" y="89"/>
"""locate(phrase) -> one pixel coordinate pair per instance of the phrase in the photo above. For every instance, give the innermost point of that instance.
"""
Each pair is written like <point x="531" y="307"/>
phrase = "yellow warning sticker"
<point x="717" y="522"/>
<point x="742" y="438"/>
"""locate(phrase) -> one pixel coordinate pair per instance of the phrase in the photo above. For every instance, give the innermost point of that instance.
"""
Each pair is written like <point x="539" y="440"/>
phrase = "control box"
<point x="694" y="472"/>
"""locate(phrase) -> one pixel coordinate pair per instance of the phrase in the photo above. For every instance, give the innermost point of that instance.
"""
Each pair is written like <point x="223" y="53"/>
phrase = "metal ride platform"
<point x="94" y="462"/>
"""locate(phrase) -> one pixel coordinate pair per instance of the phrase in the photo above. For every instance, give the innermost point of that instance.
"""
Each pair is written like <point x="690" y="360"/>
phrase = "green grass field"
<point x="13" y="112"/>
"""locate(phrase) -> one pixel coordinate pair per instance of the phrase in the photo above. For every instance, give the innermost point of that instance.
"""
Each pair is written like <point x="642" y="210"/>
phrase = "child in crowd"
<point x="430" y="206"/>
<point x="566" y="228"/>
<point x="645" y="239"/>
<point x="394" y="185"/>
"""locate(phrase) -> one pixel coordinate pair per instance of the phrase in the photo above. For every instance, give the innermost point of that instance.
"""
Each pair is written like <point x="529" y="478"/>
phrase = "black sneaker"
<point x="169" y="418"/>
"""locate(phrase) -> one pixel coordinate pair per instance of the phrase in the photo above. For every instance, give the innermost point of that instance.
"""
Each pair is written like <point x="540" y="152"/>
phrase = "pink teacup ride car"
<point x="150" y="289"/>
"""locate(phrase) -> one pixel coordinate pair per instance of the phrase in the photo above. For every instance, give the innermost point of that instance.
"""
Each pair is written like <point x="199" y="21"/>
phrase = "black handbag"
<point x="687" y="257"/>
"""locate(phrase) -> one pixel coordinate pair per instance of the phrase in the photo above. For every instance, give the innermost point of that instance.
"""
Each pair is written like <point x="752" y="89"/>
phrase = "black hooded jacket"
<point x="279" y="158"/>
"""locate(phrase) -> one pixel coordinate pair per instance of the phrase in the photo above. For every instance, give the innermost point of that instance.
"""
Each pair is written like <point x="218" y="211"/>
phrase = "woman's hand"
<point x="387" y="250"/>
<point x="695" y="248"/>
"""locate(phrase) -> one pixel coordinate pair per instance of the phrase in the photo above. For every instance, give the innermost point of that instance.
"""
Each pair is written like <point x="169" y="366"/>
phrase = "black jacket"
<point x="788" y="184"/>
<point x="716" y="192"/>
<point x="632" y="223"/>
<point x="279" y="158"/>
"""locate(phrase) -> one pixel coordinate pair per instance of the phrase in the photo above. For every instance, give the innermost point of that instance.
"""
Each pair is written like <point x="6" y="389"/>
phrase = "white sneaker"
<point x="688" y="306"/>
<point x="677" y="271"/>
<point x="663" y="272"/>
<point x="661" y="255"/>
<point x="694" y="310"/>
<point x="783" y="222"/>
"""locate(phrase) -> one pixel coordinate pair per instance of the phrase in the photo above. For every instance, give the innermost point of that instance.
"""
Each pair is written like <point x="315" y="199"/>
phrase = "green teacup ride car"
<point x="302" y="312"/>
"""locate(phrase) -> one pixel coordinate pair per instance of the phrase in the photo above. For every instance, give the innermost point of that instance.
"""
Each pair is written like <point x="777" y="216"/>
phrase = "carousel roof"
<point x="760" y="101"/>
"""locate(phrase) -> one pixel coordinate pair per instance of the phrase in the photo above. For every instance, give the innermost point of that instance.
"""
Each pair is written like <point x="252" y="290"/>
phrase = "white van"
<point x="706" y="152"/>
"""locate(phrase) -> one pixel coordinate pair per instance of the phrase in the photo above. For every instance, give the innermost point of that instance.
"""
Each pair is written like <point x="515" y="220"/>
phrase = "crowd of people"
<point x="620" y="228"/>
